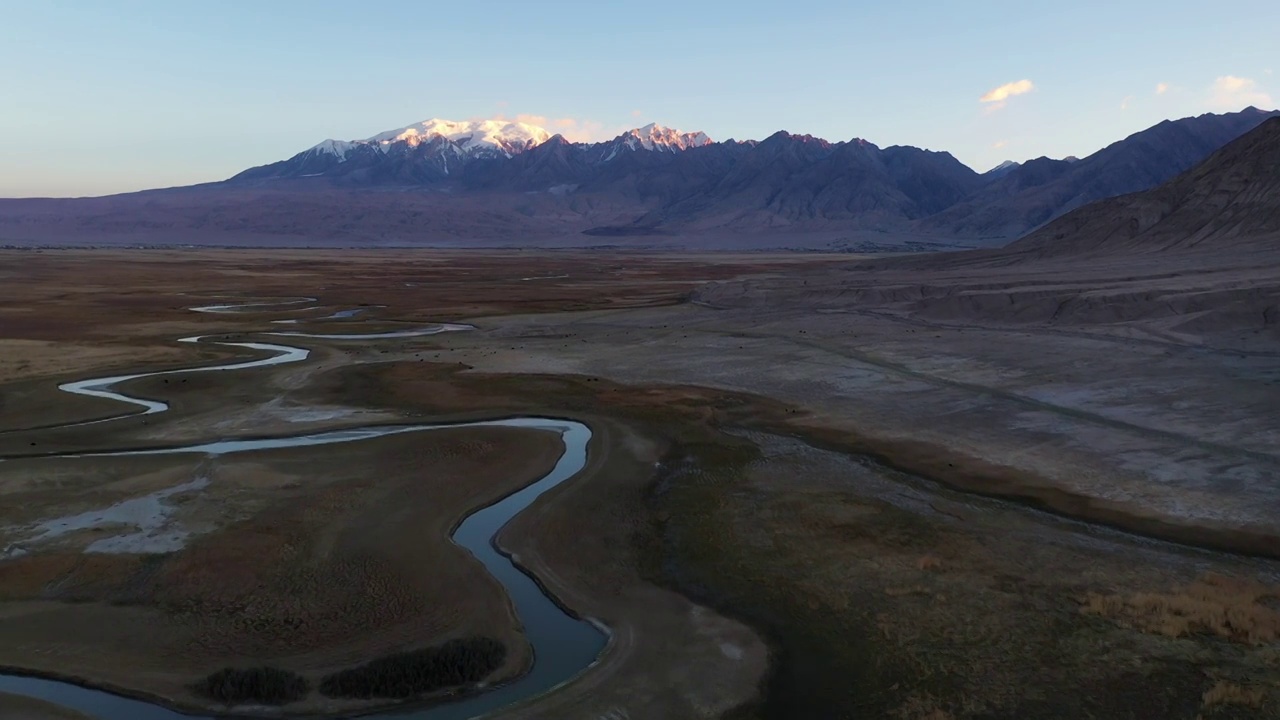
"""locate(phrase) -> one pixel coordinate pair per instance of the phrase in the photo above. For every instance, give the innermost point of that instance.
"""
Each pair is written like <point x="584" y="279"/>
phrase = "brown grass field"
<point x="317" y="560"/>
<point x="783" y="515"/>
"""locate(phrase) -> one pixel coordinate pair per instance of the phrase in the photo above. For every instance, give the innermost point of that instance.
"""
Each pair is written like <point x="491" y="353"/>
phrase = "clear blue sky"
<point x="101" y="97"/>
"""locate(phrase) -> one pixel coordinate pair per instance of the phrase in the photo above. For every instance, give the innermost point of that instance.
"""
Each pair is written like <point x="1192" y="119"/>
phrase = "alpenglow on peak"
<point x="503" y="138"/>
<point x="508" y="136"/>
<point x="656" y="137"/>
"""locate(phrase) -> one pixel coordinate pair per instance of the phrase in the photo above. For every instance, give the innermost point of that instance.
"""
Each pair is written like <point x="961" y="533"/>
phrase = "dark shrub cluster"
<point x="258" y="686"/>
<point x="404" y="675"/>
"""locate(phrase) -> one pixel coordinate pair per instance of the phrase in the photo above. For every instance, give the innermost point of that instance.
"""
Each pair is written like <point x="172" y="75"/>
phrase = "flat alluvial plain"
<point x="812" y="491"/>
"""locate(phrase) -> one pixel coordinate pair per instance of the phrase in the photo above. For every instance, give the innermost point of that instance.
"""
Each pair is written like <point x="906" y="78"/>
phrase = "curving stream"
<point x="563" y="646"/>
<point x="253" y="307"/>
<point x="416" y="332"/>
<point x="101" y="387"/>
<point x="339" y="315"/>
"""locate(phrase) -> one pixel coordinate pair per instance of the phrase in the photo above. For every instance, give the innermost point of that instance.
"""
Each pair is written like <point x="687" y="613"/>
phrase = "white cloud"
<point x="636" y="113"/>
<point x="999" y="144"/>
<point x="1124" y="104"/>
<point x="1233" y="93"/>
<point x="583" y="130"/>
<point x="997" y="98"/>
<point x="1162" y="88"/>
<point x="1007" y="90"/>
<point x="573" y="129"/>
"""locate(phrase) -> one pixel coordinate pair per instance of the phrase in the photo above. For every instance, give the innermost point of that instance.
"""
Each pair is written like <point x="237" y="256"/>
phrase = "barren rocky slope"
<point x="1230" y="202"/>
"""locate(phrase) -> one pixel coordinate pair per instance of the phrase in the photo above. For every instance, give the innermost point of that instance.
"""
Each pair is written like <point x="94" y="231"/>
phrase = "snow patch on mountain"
<point x="1004" y="167"/>
<point x="340" y="148"/>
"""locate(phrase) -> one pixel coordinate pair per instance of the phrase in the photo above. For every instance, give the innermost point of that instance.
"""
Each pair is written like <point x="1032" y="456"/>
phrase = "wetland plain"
<point x="784" y="510"/>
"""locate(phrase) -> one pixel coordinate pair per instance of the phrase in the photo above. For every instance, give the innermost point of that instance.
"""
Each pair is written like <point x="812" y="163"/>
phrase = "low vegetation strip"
<point x="1235" y="609"/>
<point x="458" y="662"/>
<point x="258" y="686"/>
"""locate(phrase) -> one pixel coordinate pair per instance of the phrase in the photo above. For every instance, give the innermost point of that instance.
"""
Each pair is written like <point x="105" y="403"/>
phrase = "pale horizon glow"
<point x="101" y="100"/>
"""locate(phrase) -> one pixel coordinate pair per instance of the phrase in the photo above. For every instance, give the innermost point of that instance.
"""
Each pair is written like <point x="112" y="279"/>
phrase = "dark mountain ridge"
<point x="1228" y="203"/>
<point x="650" y="182"/>
<point x="1027" y="196"/>
<point x="788" y="179"/>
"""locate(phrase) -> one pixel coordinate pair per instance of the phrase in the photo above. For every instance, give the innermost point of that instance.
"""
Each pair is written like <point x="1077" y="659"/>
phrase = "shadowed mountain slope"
<point x="1229" y="202"/>
<point x="1025" y="197"/>
<point x="1195" y="262"/>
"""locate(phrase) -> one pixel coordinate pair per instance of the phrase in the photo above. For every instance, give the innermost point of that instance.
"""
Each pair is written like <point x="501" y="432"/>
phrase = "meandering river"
<point x="563" y="646"/>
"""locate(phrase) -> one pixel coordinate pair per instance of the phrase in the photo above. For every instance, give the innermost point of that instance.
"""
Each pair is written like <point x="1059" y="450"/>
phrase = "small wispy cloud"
<point x="636" y="113"/>
<point x="999" y="144"/>
<point x="997" y="98"/>
<point x="1124" y="104"/>
<point x="1008" y="90"/>
<point x="573" y="129"/>
<point x="1162" y="88"/>
<point x="1229" y="92"/>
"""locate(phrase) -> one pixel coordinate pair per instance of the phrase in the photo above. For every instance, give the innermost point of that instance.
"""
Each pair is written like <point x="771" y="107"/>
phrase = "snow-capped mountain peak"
<point x="497" y="138"/>
<point x="507" y="137"/>
<point x="439" y="147"/>
<point x="654" y="138"/>
<point x="339" y="148"/>
<point x="662" y="139"/>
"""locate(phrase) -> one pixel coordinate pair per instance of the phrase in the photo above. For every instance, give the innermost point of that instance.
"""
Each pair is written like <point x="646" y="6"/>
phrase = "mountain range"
<point x="1230" y="203"/>
<point x="1194" y="259"/>
<point x="1223" y="211"/>
<point x="511" y="183"/>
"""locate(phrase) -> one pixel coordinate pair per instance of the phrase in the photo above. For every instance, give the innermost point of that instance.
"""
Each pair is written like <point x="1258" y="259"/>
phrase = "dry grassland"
<point x="312" y="560"/>
<point x="1237" y="609"/>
